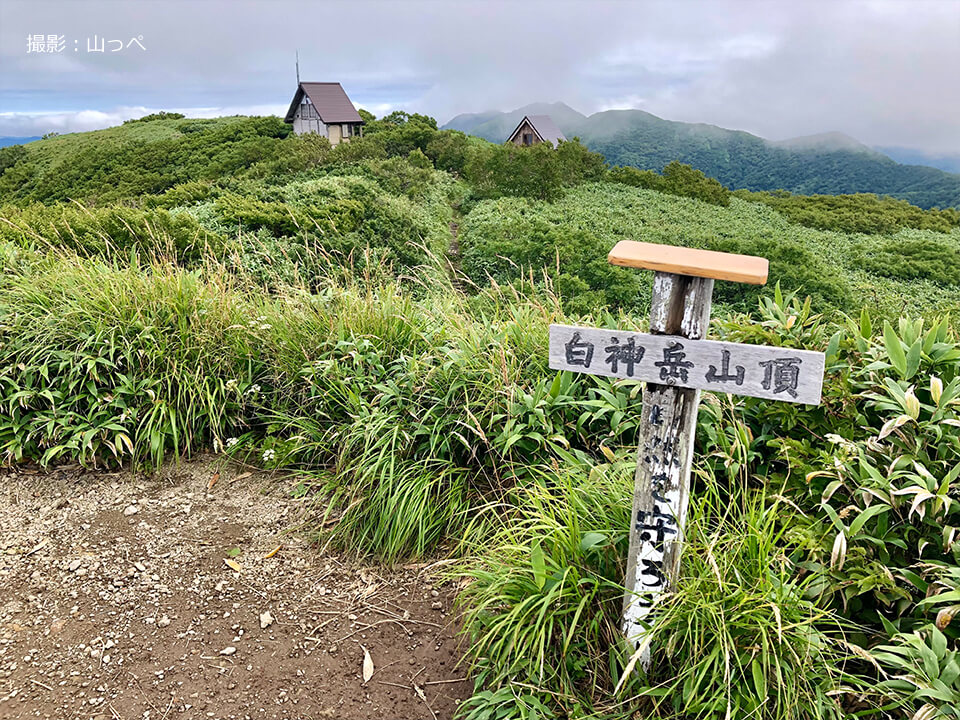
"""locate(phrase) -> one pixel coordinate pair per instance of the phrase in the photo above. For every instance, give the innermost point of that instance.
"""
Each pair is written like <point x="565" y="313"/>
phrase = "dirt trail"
<point x="454" y="261"/>
<point x="116" y="601"/>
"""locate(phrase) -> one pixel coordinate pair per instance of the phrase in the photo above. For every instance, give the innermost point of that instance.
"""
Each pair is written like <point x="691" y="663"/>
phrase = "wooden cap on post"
<point x="690" y="261"/>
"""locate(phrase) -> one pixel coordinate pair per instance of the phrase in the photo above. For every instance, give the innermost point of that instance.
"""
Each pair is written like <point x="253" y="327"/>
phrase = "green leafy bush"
<point x="10" y="156"/>
<point x="497" y="170"/>
<point x="540" y="171"/>
<point x="575" y="260"/>
<point x="188" y="193"/>
<point x="118" y="163"/>
<point x="859" y="213"/>
<point x="912" y="259"/>
<point x="162" y="115"/>
<point x="449" y="150"/>
<point x="793" y="266"/>
<point x="343" y="227"/>
<point x="677" y="179"/>
<point x="400" y="133"/>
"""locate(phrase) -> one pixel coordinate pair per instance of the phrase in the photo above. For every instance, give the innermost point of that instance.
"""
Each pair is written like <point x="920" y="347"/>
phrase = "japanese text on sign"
<point x="754" y="370"/>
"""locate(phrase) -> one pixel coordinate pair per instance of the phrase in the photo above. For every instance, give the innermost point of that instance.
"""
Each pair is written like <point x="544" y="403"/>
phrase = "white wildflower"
<point x="841" y="441"/>
<point x="269" y="455"/>
<point x="231" y="442"/>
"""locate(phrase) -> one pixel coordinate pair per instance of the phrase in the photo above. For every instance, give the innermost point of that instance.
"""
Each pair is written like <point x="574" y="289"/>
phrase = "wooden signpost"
<point x="677" y="363"/>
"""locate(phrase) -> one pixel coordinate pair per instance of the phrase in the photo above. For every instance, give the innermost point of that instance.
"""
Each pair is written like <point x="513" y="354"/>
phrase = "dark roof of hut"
<point x="330" y="101"/>
<point x="545" y="128"/>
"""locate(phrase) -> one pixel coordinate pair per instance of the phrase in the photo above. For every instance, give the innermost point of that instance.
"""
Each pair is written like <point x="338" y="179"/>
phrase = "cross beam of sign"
<point x="676" y="363"/>
<point x="754" y="370"/>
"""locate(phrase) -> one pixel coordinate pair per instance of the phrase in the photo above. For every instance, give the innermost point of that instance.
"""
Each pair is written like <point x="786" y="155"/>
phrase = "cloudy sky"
<point x="883" y="71"/>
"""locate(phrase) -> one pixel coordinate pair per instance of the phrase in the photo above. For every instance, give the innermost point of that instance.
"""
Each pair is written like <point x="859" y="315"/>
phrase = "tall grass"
<point x="738" y="638"/>
<point x="543" y="597"/>
<point x="101" y="363"/>
<point x="421" y="405"/>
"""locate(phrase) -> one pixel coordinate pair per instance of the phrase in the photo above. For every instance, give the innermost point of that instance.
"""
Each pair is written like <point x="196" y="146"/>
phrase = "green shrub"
<point x="677" y="179"/>
<point x="793" y="266"/>
<point x="400" y="133"/>
<point x="368" y="147"/>
<point x="574" y="259"/>
<point x="680" y="179"/>
<point x="449" y="150"/>
<point x="10" y="156"/>
<point x="411" y="177"/>
<point x="540" y="171"/>
<point x="120" y="164"/>
<point x="188" y="193"/>
<point x="162" y="115"/>
<point x="343" y="226"/>
<point x="874" y="536"/>
<point x="299" y="153"/>
<point x="859" y="213"/>
<point x="912" y="259"/>
<point x="497" y="170"/>
<point x="577" y="163"/>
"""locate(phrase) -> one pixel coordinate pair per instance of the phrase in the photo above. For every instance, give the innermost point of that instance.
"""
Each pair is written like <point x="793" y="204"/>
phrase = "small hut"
<point x="535" y="129"/>
<point x="325" y="109"/>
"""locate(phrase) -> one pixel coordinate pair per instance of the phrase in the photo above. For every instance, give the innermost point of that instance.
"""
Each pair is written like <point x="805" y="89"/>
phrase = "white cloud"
<point x="626" y="102"/>
<point x="883" y="71"/>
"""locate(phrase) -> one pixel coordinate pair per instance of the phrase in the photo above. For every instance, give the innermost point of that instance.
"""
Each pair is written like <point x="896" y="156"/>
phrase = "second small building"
<point x="535" y="129"/>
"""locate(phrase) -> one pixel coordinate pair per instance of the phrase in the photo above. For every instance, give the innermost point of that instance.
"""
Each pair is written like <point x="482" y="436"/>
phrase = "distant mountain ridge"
<point x="909" y="156"/>
<point x="827" y="163"/>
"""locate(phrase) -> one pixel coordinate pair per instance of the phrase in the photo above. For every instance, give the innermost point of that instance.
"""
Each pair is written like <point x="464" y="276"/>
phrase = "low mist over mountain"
<point x="828" y="163"/>
<point x="828" y="141"/>
<point x="910" y="156"/>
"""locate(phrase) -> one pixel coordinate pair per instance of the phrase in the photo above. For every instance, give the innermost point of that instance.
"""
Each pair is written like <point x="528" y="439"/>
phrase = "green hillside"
<point x="371" y="321"/>
<point x="737" y="159"/>
<point x="148" y="155"/>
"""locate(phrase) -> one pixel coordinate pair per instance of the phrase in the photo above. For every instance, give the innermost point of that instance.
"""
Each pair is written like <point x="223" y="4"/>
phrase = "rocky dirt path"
<point x="160" y="597"/>
<point x="454" y="260"/>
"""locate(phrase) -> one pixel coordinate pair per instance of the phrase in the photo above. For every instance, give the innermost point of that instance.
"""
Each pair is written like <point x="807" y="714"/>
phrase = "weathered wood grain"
<point x="681" y="307"/>
<point x="690" y="261"/>
<point x="754" y="370"/>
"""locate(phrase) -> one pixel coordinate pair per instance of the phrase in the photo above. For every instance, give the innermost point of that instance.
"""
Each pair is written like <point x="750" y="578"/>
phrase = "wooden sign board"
<point x="752" y="370"/>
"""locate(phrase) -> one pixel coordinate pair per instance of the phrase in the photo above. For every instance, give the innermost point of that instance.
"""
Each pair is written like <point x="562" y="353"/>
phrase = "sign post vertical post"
<point x="677" y="363"/>
<point x="680" y="307"/>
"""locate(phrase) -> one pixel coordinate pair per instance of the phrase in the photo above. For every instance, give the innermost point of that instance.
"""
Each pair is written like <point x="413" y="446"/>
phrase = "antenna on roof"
<point x="298" y="67"/>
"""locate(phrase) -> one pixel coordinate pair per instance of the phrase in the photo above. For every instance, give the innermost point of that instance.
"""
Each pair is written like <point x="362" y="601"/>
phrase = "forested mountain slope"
<point x="818" y="164"/>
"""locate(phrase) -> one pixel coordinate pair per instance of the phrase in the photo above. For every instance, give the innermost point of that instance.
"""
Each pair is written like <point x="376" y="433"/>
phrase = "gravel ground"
<point x="161" y="596"/>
